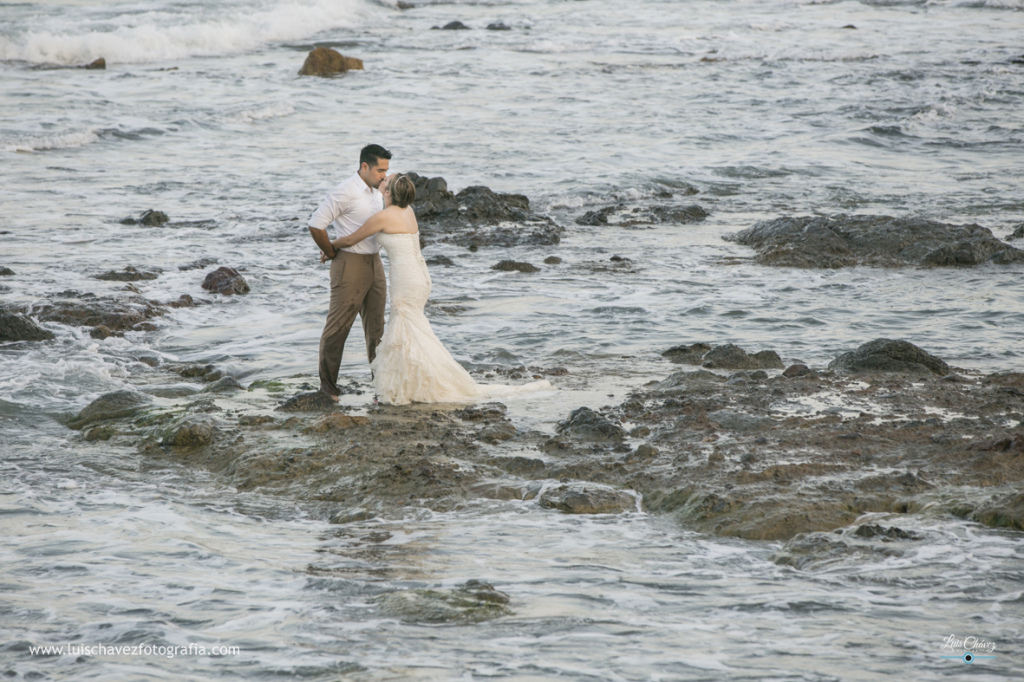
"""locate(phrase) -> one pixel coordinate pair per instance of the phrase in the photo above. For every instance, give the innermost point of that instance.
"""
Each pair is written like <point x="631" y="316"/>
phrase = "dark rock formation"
<point x="587" y="498"/>
<point x="474" y="602"/>
<point x="96" y="64"/>
<point x="225" y="281"/>
<point x="129" y="274"/>
<point x="15" y="327"/>
<point x="441" y="260"/>
<point x="511" y="265"/>
<point x="115" y="315"/>
<point x="1018" y="233"/>
<point x="687" y="355"/>
<point x="149" y="218"/>
<point x="842" y="241"/>
<point x="797" y="370"/>
<point x="455" y="26"/>
<point x="198" y="264"/>
<point x="114" y="405"/>
<point x="6" y="272"/>
<point x="588" y="425"/>
<point x="623" y="216"/>
<point x="478" y="216"/>
<point x="323" y="61"/>
<point x="552" y="260"/>
<point x="731" y="356"/>
<point x="223" y="385"/>
<point x="498" y="26"/>
<point x="885" y="355"/>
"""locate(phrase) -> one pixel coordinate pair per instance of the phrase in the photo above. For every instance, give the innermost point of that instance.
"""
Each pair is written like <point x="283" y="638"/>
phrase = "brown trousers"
<point x="357" y="287"/>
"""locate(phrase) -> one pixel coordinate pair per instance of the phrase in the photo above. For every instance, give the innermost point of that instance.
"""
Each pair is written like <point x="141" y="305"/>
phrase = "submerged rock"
<point x="474" y="602"/>
<point x="498" y="26"/>
<point x="129" y="274"/>
<point x="844" y="241"/>
<point x="622" y="215"/>
<point x="688" y="355"/>
<point x="886" y="355"/>
<point x="323" y="61"/>
<point x="150" y="218"/>
<point x="455" y="26"/>
<point x="113" y="405"/>
<point x="587" y="498"/>
<point x="225" y="281"/>
<point x="114" y="315"/>
<point x="731" y="356"/>
<point x="15" y="327"/>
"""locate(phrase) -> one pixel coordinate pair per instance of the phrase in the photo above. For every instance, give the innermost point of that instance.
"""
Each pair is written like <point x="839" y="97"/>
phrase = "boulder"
<point x="323" y="61"/>
<point x="96" y="64"/>
<point x="888" y="356"/>
<point x="441" y="260"/>
<point x="6" y="272"/>
<point x="223" y="385"/>
<point x="586" y="424"/>
<point x="797" y="370"/>
<point x="225" y="281"/>
<point x="843" y="241"/>
<point x="15" y="327"/>
<point x="498" y="26"/>
<point x="495" y="433"/>
<point x="511" y="265"/>
<point x="455" y="26"/>
<point x="474" y="602"/>
<point x="1018" y="233"/>
<point x="623" y="215"/>
<point x="113" y="405"/>
<point x="115" y="315"/>
<point x="587" y="498"/>
<point x="552" y="260"/>
<point x="731" y="356"/>
<point x="150" y="218"/>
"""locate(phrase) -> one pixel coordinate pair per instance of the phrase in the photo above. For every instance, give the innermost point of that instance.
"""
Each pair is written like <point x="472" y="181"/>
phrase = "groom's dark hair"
<point x="371" y="154"/>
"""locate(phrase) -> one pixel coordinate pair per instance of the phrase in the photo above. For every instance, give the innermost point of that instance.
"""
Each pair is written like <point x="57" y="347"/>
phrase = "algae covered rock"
<point x="888" y="356"/>
<point x="323" y="61"/>
<point x="473" y="602"/>
<point x="190" y="432"/>
<point x="587" y="498"/>
<point x="113" y="405"/>
<point x="14" y="327"/>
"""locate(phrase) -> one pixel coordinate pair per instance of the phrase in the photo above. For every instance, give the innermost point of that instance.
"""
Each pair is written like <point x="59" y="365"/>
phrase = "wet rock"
<point x="519" y="465"/>
<point x="689" y="379"/>
<point x="1018" y="233"/>
<point x="15" y="327"/>
<point x="873" y="530"/>
<point x="455" y="26"/>
<point x="495" y="433"/>
<point x="731" y="356"/>
<point x="888" y="356"/>
<point x="96" y="65"/>
<point x="224" y="385"/>
<point x="798" y="370"/>
<point x="812" y="550"/>
<point x="497" y="490"/>
<point x="198" y="264"/>
<point x="622" y="215"/>
<point x="498" y="26"/>
<point x="351" y="515"/>
<point x="474" y="602"/>
<point x="552" y="260"/>
<point x="225" y="281"/>
<point x="441" y="260"/>
<point x="843" y="241"/>
<point x="323" y="61"/>
<point x="740" y="421"/>
<point x="6" y="272"/>
<point x="129" y="274"/>
<point x="587" y="498"/>
<point x="478" y="217"/>
<point x="645" y="451"/>
<point x="511" y="265"/>
<point x="1005" y="511"/>
<point x="189" y="432"/>
<point x="150" y="218"/>
<point x="687" y="355"/>
<point x="115" y="314"/>
<point x="313" y="401"/>
<point x="113" y="405"/>
<point x="337" y="422"/>
<point x="484" y="412"/>
<point x="588" y="425"/>
<point x="184" y="301"/>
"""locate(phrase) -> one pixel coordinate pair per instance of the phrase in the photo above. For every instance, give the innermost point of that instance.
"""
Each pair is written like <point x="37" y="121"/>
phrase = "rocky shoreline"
<point x="795" y="455"/>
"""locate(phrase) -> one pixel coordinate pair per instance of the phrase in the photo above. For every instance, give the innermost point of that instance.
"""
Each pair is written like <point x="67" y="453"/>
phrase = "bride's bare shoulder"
<point x="400" y="220"/>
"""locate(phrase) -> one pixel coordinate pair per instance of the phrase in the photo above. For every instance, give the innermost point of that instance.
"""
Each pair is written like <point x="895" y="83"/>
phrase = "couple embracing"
<point x="370" y="211"/>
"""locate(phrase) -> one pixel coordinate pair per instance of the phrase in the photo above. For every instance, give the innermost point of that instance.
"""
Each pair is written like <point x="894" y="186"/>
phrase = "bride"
<point x="412" y="365"/>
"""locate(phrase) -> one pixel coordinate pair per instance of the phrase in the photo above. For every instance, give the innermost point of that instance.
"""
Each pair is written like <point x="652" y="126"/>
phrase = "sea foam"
<point x="170" y="35"/>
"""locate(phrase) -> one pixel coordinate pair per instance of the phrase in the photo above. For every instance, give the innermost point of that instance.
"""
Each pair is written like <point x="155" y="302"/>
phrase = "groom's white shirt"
<point x="347" y="207"/>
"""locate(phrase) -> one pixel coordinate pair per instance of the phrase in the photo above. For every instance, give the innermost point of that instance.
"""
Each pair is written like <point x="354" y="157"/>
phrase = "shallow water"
<point x="767" y="108"/>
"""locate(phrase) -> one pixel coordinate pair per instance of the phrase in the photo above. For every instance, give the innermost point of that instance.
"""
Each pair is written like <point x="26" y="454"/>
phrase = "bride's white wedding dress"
<point x="412" y="365"/>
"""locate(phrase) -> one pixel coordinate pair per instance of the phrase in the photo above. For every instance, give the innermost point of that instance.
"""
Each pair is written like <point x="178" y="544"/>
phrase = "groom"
<point x="357" y="274"/>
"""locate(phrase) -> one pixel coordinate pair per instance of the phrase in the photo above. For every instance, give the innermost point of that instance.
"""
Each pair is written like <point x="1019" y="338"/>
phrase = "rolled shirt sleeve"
<point x="333" y="205"/>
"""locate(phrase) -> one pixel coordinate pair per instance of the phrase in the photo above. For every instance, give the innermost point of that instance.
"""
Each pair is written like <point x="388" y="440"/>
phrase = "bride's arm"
<point x="371" y="227"/>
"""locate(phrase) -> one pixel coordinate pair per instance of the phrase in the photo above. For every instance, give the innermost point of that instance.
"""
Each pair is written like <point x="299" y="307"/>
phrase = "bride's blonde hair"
<point x="403" y="192"/>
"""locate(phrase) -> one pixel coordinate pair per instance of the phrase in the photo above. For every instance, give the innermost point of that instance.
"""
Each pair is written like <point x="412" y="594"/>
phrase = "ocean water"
<point x="767" y="108"/>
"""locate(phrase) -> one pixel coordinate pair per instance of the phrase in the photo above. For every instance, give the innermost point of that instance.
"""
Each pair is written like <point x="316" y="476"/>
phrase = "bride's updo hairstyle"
<point x="403" y="192"/>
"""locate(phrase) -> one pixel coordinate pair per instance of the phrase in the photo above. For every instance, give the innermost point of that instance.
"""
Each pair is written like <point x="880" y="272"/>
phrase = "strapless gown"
<point x="412" y="365"/>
